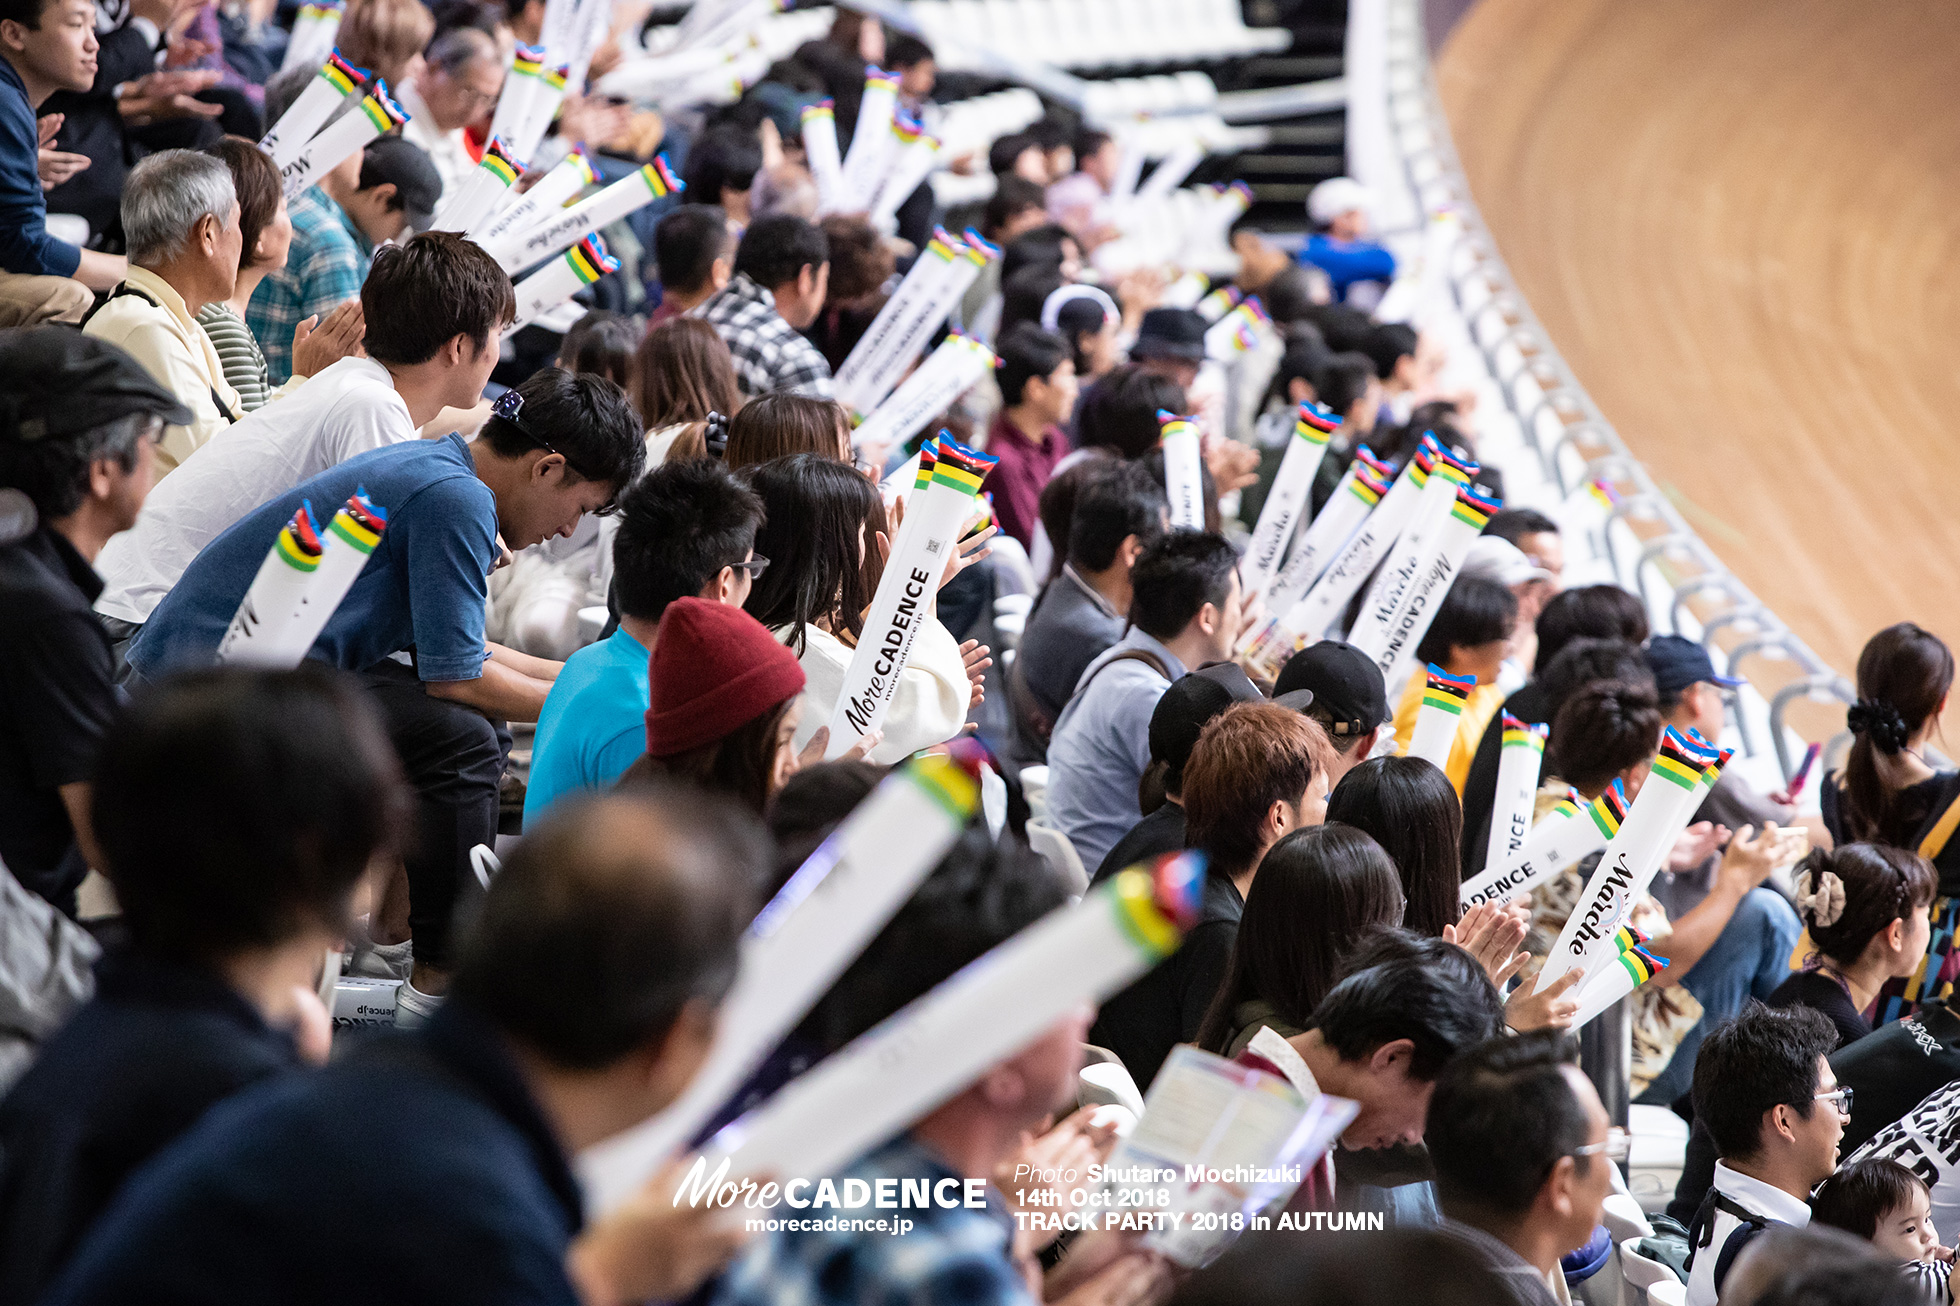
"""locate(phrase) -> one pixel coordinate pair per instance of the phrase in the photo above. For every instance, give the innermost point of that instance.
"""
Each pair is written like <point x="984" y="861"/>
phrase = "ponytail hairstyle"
<point x="1903" y="676"/>
<point x="1847" y="896"/>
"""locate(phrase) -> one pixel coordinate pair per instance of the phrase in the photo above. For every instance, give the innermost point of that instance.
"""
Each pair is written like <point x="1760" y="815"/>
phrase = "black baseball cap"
<point x="1189" y="705"/>
<point x="61" y="383"/>
<point x="1678" y="662"/>
<point x="1345" y="683"/>
<point x="417" y="183"/>
<point x="1170" y="333"/>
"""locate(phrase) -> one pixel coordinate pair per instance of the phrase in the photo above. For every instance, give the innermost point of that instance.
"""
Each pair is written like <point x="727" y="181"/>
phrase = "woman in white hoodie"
<point x="824" y="536"/>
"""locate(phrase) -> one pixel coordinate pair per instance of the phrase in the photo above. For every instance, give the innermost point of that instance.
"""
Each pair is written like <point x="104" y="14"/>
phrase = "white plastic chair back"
<point x="1061" y="855"/>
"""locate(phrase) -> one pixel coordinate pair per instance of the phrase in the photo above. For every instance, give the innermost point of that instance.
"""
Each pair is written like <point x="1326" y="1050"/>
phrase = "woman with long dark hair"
<point x="1408" y="807"/>
<point x="825" y="536"/>
<point x="1317" y="891"/>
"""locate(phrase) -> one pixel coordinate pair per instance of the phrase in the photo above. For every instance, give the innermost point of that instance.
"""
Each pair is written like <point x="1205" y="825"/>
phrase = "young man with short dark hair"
<point x="1037" y="396"/>
<point x="1185" y="611"/>
<point x="584" y="1003"/>
<point x="686" y="529"/>
<point x="1386" y="1031"/>
<point x="45" y="46"/>
<point x="1119" y="513"/>
<point x="1257" y="773"/>
<point x="435" y="309"/>
<point x="695" y="256"/>
<point x="238" y="813"/>
<point x="559" y="446"/>
<point x="1774" y="1109"/>
<point x="77" y="442"/>
<point x="1468" y="637"/>
<point x="782" y="273"/>
<point x="1521" y="1145"/>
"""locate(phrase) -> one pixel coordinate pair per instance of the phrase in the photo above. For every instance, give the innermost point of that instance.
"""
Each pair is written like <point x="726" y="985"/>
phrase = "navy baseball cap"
<point x="1678" y="662"/>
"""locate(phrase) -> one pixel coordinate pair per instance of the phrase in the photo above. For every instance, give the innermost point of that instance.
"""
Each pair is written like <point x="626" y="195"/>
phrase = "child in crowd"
<point x="1890" y="1205"/>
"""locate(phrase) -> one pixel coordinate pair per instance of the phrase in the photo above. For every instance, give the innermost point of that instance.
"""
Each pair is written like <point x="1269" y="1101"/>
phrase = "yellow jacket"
<point x="1478" y="709"/>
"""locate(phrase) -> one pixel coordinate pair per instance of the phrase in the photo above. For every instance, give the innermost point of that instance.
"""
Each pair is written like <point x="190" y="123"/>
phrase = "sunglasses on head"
<point x="510" y="407"/>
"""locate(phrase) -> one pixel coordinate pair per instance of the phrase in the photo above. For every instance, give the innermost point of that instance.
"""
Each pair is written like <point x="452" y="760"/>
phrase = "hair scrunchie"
<point x="1820" y="898"/>
<point x="1881" y="722"/>
<point x="716" y="436"/>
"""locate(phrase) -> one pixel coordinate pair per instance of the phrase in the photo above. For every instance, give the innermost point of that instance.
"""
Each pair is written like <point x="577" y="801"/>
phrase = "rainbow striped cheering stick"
<point x="565" y="227"/>
<point x="1361" y="488"/>
<point x="1520" y="757"/>
<point x="1442" y="710"/>
<point x="820" y="149"/>
<point x="1666" y="800"/>
<point x="1286" y="502"/>
<point x="482" y="192"/>
<point x="904" y="599"/>
<point x="375" y="116"/>
<point x="337" y="79"/>
<point x="1184" y="470"/>
<point x="918" y="1058"/>
<point x="560" y="279"/>
<point x="1631" y="967"/>
<point x="260" y="633"/>
<point x="553" y="191"/>
<point x="1573" y="829"/>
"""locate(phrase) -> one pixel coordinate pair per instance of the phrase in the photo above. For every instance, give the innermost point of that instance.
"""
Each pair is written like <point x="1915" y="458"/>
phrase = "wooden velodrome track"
<point x="1740" y="223"/>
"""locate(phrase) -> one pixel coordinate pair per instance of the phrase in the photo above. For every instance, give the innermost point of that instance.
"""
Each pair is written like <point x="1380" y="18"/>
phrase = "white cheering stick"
<point x="923" y="1055"/>
<point x="329" y="89"/>
<point x="798" y="945"/>
<point x="1286" y="502"/>
<point x="1570" y="831"/>
<point x="1520" y="757"/>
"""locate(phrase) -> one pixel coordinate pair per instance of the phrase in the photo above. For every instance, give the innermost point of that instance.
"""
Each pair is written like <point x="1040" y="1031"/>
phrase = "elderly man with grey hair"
<point x="180" y="218"/>
<point x="461" y="78"/>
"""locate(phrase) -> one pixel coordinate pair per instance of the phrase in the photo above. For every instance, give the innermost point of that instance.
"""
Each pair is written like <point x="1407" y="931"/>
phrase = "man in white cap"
<point x="1358" y="270"/>
<point x="1496" y="558"/>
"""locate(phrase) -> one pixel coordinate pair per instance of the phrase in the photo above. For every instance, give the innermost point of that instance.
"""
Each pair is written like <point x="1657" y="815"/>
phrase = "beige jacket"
<point x="153" y="324"/>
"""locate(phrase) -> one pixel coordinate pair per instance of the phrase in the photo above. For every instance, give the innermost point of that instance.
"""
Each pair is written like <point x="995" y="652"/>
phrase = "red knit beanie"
<point x="714" y="669"/>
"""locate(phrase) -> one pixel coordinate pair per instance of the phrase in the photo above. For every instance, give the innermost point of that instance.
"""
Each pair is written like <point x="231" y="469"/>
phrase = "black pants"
<point x="453" y="757"/>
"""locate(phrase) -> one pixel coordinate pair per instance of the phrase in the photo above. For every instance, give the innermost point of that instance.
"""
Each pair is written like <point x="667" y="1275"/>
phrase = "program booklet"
<point x="1219" y="1145"/>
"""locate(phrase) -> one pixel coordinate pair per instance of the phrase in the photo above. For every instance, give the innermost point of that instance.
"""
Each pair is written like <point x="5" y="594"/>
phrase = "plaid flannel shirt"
<point x="326" y="266"/>
<point x="950" y="1257"/>
<point x="769" y="353"/>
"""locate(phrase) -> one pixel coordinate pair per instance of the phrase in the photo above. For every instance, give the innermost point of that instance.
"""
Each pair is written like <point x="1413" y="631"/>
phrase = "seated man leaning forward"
<point x="560" y="446"/>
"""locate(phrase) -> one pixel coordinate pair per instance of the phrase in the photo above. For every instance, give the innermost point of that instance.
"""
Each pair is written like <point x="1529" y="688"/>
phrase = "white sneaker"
<point x="382" y="960"/>
<point x="413" y="1007"/>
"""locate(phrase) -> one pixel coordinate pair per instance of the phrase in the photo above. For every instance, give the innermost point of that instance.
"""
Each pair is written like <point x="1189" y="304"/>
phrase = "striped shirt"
<point x="239" y="353"/>
<point x="324" y="269"/>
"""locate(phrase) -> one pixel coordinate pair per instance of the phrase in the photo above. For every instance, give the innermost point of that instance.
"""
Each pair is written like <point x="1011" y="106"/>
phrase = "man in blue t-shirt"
<point x="45" y="46"/>
<point x="1358" y="270"/>
<point x="560" y="445"/>
<point x="685" y="529"/>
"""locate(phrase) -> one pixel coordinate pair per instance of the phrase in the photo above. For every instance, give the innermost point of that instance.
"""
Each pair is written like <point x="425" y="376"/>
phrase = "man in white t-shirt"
<point x="436" y="308"/>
